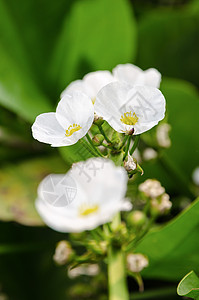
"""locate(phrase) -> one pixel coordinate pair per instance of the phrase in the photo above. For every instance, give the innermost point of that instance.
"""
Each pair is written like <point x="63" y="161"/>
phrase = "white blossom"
<point x="71" y="121"/>
<point x="98" y="192"/>
<point x="130" y="108"/>
<point x="86" y="269"/>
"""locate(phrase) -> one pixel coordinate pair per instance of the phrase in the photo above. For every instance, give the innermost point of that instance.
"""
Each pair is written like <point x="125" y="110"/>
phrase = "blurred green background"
<point x="44" y="45"/>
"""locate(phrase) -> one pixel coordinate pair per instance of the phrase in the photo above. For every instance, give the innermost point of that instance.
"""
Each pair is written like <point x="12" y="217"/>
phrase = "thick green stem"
<point x="135" y="144"/>
<point x="116" y="269"/>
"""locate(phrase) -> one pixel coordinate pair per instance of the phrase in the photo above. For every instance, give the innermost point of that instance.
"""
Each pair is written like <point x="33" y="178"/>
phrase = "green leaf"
<point x="18" y="189"/>
<point x="170" y="37"/>
<point x="18" y="90"/>
<point x="97" y="35"/>
<point x="189" y="286"/>
<point x="173" y="249"/>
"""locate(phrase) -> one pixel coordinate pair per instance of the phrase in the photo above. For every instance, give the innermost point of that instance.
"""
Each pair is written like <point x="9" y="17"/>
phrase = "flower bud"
<point x="149" y="153"/>
<point x="86" y="269"/>
<point x="98" y="139"/>
<point x="136" y="218"/>
<point x="98" y="120"/>
<point x="63" y="253"/>
<point x="161" y="205"/>
<point x="130" y="164"/>
<point x="163" y="135"/>
<point x="151" y="188"/>
<point x="137" y="262"/>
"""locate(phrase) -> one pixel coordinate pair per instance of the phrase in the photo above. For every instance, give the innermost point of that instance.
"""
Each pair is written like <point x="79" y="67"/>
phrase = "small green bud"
<point x="98" y="120"/>
<point x="98" y="139"/>
<point x="116" y="141"/>
<point x="137" y="218"/>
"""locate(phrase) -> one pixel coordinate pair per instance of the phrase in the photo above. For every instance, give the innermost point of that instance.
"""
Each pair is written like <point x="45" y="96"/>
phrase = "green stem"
<point x="127" y="147"/>
<point x="91" y="143"/>
<point x="135" y="144"/>
<point x="116" y="269"/>
<point x="124" y="141"/>
<point x="104" y="134"/>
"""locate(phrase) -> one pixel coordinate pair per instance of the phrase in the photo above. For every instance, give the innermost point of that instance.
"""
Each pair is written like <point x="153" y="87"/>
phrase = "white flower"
<point x="151" y="188"/>
<point x="135" y="76"/>
<point x="90" y="84"/>
<point x="127" y="108"/>
<point x="89" y="195"/>
<point x="71" y="121"/>
<point x="137" y="262"/>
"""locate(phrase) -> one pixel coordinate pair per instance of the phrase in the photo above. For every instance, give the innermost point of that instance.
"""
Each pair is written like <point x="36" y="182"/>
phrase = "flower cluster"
<point x="128" y="99"/>
<point x="109" y="109"/>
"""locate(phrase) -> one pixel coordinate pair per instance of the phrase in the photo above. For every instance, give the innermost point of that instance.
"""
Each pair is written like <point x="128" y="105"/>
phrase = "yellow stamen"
<point x="86" y="210"/>
<point x="129" y="119"/>
<point x="71" y="129"/>
<point x="93" y="100"/>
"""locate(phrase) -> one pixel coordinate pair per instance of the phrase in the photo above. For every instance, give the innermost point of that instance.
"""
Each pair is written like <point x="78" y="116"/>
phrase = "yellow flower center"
<point x="129" y="119"/>
<point x="71" y="129"/>
<point x="86" y="209"/>
<point x="93" y="100"/>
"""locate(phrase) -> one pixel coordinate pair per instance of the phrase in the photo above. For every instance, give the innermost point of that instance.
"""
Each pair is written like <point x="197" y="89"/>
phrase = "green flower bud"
<point x="136" y="218"/>
<point x="98" y="139"/>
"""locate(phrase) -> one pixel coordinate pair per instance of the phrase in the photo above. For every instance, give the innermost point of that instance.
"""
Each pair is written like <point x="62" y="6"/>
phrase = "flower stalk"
<point x="116" y="269"/>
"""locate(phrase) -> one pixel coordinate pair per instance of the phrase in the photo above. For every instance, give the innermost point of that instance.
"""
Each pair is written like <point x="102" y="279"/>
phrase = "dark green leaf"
<point x="189" y="286"/>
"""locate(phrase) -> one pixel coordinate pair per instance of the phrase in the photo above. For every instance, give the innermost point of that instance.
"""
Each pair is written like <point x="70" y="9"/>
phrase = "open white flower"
<point x="133" y="75"/>
<point x="89" y="195"/>
<point x="71" y="121"/>
<point x="130" y="108"/>
<point x="90" y="84"/>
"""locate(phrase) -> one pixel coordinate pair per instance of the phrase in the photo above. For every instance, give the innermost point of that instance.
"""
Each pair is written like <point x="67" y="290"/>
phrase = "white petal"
<point x="46" y="129"/>
<point x="133" y="75"/>
<point x="152" y="78"/>
<point x="118" y="98"/>
<point x="76" y="108"/>
<point x="90" y="84"/>
<point x="128" y="73"/>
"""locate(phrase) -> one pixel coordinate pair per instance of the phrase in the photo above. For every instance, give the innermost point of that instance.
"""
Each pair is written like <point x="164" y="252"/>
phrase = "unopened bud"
<point x="136" y="218"/>
<point x="98" y="139"/>
<point x="63" y="253"/>
<point x="130" y="164"/>
<point x="87" y="269"/>
<point x="151" y="188"/>
<point x="161" y="205"/>
<point x="98" y="120"/>
<point x="163" y="135"/>
<point x="149" y="153"/>
<point x="137" y="262"/>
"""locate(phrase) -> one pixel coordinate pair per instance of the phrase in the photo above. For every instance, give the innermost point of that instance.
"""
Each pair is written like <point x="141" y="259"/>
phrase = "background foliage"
<point x="44" y="45"/>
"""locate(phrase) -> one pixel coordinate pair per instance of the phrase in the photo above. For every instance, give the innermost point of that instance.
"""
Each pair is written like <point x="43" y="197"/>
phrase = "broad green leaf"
<point x="189" y="286"/>
<point x="18" y="91"/>
<point x="18" y="189"/>
<point x="168" y="41"/>
<point x="173" y="249"/>
<point x="97" y="35"/>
